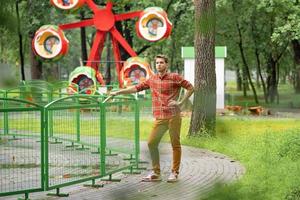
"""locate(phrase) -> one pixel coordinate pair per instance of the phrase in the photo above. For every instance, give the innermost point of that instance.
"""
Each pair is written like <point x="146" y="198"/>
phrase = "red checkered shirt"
<point x="164" y="89"/>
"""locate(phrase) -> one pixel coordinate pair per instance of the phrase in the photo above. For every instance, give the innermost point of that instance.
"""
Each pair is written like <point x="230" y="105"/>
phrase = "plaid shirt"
<point x="164" y="89"/>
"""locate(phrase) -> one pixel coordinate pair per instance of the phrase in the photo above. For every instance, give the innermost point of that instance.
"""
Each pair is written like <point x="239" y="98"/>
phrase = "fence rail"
<point x="69" y="140"/>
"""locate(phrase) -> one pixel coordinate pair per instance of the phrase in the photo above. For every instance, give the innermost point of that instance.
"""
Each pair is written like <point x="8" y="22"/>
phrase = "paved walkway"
<point x="200" y="170"/>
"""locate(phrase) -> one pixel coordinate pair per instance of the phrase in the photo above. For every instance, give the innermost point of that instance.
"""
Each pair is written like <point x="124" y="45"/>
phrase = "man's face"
<point x="161" y="65"/>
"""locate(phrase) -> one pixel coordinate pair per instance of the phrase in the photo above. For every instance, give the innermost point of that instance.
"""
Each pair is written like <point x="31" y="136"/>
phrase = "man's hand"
<point x="129" y="90"/>
<point x="114" y="93"/>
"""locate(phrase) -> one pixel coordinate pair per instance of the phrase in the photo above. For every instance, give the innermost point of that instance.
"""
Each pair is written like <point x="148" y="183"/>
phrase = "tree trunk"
<point x="123" y="53"/>
<point x="296" y="48"/>
<point x="297" y="81"/>
<point x="126" y="32"/>
<point x="36" y="65"/>
<point x="53" y="73"/>
<point x="257" y="78"/>
<point x="246" y="67"/>
<point x="245" y="82"/>
<point x="260" y="75"/>
<point x="177" y="17"/>
<point x="84" y="55"/>
<point x="272" y="90"/>
<point x="238" y="79"/>
<point x="108" y="64"/>
<point x="20" y="42"/>
<point x="204" y="109"/>
<point x="284" y="76"/>
<point x="127" y="27"/>
<point x="255" y="36"/>
<point x="172" y="57"/>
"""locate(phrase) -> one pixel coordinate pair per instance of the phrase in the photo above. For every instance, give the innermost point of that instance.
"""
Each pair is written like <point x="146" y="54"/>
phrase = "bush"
<point x="293" y="195"/>
<point x="290" y="147"/>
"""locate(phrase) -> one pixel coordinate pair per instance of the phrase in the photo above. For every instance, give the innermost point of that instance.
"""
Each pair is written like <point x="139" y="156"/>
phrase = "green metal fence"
<point x="1" y="120"/>
<point x="70" y="140"/>
<point x="121" y="125"/>
<point x="21" y="157"/>
<point x="32" y="93"/>
<point x="38" y="91"/>
<point x="2" y="114"/>
<point x="2" y="93"/>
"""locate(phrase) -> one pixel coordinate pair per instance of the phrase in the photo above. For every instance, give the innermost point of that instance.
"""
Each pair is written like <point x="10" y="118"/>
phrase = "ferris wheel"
<point x="51" y="44"/>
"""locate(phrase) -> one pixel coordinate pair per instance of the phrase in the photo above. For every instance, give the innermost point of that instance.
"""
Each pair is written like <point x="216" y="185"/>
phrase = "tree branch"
<point x="282" y="52"/>
<point x="144" y="48"/>
<point x="169" y="5"/>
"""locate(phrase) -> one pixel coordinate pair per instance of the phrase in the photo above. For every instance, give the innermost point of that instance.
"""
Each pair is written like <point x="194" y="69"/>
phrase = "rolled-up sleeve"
<point x="143" y="86"/>
<point x="182" y="82"/>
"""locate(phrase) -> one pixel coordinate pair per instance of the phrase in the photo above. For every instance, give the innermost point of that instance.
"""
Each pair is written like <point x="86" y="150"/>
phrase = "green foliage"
<point x="288" y="99"/>
<point x="289" y="30"/>
<point x="34" y="14"/>
<point x="294" y="194"/>
<point x="264" y="146"/>
<point x="267" y="28"/>
<point x="290" y="146"/>
<point x="229" y="192"/>
<point x="8" y="39"/>
<point x="37" y="14"/>
<point x="283" y="13"/>
<point x="7" y="18"/>
<point x="8" y="46"/>
<point x="257" y="144"/>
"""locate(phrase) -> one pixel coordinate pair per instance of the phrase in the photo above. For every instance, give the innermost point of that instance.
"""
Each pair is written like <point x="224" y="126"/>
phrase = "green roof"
<point x="188" y="52"/>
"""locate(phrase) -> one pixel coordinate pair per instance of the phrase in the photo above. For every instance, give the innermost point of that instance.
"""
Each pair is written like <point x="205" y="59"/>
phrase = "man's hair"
<point x="163" y="57"/>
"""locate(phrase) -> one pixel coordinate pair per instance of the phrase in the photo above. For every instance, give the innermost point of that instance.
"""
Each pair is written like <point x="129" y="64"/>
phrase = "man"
<point x="165" y="88"/>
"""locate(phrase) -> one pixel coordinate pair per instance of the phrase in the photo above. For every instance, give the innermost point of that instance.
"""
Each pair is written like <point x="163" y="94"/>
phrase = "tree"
<point x="7" y="19"/>
<point x="10" y="29"/>
<point x="37" y="16"/>
<point x="296" y="49"/>
<point x="240" y="44"/>
<point x="289" y="31"/>
<point x="84" y="56"/>
<point x="34" y="14"/>
<point x="259" y="23"/>
<point x="21" y="52"/>
<point x="204" y="107"/>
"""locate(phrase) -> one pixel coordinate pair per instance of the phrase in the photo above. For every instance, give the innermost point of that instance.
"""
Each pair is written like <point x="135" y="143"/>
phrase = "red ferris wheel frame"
<point x="104" y="21"/>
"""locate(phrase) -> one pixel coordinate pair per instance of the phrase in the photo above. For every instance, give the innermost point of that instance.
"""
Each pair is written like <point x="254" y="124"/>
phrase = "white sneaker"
<point x="152" y="177"/>
<point x="173" y="177"/>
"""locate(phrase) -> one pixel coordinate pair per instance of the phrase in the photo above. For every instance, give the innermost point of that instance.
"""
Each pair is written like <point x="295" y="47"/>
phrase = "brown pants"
<point x="159" y="128"/>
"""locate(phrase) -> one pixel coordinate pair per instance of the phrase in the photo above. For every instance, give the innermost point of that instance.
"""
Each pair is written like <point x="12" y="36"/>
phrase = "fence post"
<point x="102" y="138"/>
<point x="77" y="115"/>
<point x="137" y="137"/>
<point x="45" y="123"/>
<point x="5" y="115"/>
<point x="50" y="99"/>
<point x="44" y="150"/>
<point x="137" y="132"/>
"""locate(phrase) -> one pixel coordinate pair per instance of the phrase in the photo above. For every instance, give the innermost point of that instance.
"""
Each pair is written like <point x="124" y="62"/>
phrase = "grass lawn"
<point x="287" y="97"/>
<point x="269" y="148"/>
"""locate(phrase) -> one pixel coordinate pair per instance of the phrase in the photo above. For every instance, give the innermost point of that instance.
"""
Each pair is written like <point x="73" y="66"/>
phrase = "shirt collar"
<point x="163" y="76"/>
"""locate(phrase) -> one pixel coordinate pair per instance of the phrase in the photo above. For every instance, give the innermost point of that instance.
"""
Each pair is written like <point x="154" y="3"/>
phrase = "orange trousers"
<point x="160" y="127"/>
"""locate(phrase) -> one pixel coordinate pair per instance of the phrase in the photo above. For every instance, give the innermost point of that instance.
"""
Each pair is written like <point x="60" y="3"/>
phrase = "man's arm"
<point x="188" y="93"/>
<point x="124" y="91"/>
<point x="139" y="87"/>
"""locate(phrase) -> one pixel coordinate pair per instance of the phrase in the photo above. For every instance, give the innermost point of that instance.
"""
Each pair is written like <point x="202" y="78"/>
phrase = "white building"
<point x="188" y="54"/>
